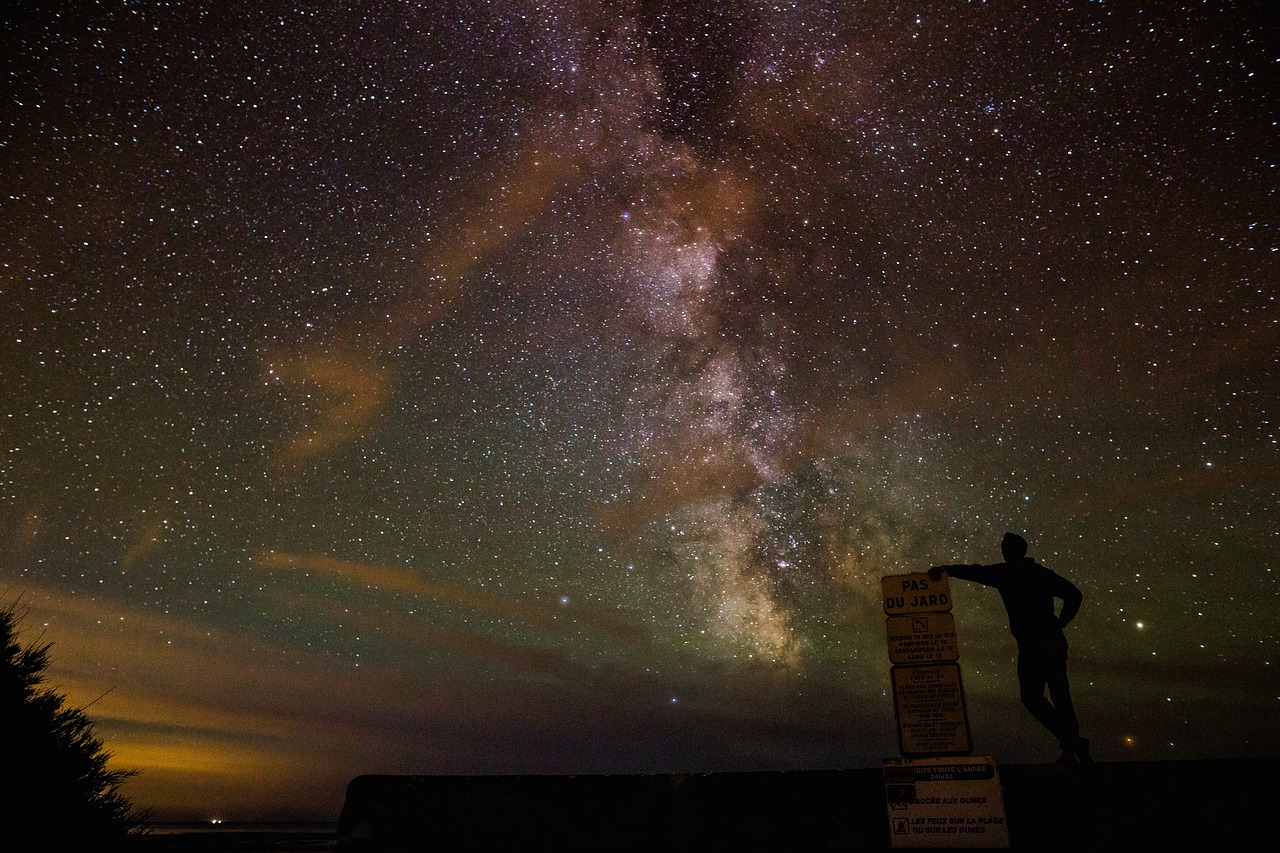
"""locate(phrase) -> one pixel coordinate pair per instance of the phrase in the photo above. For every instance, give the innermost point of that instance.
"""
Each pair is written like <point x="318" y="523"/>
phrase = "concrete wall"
<point x="1047" y="807"/>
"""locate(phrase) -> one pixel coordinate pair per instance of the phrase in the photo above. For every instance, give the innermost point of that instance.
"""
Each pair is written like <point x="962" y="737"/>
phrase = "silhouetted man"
<point x="1029" y="590"/>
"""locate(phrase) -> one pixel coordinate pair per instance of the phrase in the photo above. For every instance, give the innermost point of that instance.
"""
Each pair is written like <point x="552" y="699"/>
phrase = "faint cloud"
<point x="340" y="394"/>
<point x="342" y="385"/>
<point x="146" y="543"/>
<point x="389" y="579"/>
<point x="496" y="212"/>
<point x="1190" y="482"/>
<point x="29" y="530"/>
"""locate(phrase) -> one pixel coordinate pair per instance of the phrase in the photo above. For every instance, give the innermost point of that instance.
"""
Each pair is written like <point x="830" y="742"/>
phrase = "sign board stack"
<point x="937" y="794"/>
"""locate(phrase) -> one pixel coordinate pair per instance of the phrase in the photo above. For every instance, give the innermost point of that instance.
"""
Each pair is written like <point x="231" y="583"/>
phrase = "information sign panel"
<point x="929" y="703"/>
<point x="922" y="638"/>
<point x="945" y="802"/>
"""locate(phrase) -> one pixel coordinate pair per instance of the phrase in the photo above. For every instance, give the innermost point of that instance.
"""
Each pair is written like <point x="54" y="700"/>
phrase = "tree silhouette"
<point x="59" y="785"/>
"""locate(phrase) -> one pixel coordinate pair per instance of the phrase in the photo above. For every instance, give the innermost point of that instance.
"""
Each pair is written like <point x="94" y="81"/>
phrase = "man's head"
<point x="1013" y="547"/>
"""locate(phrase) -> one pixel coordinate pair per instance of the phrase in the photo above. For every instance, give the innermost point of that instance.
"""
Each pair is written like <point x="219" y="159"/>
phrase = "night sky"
<point x="545" y="387"/>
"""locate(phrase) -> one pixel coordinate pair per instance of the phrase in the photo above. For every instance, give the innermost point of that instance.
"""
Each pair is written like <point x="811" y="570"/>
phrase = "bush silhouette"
<point x="59" y="785"/>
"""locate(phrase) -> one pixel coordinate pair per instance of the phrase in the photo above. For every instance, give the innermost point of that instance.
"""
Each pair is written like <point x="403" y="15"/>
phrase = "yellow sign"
<point x="945" y="802"/>
<point x="915" y="593"/>
<point x="922" y="638"/>
<point x="929" y="703"/>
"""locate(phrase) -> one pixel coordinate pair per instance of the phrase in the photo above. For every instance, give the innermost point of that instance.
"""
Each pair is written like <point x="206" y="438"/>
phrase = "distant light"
<point x="1139" y="625"/>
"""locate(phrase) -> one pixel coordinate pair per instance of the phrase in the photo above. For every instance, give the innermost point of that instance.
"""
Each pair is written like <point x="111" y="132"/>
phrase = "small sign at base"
<point x="945" y="802"/>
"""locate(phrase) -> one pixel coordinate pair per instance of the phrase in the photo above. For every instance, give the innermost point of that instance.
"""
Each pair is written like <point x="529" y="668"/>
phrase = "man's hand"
<point x="936" y="573"/>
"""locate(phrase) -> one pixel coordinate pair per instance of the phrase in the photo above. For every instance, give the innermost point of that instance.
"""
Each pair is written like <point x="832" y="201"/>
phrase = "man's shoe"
<point x="1082" y="751"/>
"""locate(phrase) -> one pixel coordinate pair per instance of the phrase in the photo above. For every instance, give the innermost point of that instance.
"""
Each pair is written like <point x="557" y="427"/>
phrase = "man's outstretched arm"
<point x="973" y="572"/>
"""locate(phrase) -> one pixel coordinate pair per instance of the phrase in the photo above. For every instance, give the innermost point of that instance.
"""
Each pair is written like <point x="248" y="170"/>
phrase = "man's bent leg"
<point x="1033" y="676"/>
<point x="1060" y="693"/>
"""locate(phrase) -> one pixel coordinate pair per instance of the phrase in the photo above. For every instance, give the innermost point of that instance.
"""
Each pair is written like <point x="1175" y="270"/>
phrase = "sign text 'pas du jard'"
<point x="915" y="593"/>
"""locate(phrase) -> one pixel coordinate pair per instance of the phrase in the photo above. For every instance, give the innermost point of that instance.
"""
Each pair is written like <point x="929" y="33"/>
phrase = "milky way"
<point x="508" y="387"/>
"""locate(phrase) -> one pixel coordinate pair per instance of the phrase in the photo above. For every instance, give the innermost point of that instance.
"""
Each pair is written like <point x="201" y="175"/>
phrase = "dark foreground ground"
<point x="1047" y="807"/>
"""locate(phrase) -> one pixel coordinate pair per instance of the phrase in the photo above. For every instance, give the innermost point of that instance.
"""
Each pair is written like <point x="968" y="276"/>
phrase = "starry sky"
<point x="474" y="387"/>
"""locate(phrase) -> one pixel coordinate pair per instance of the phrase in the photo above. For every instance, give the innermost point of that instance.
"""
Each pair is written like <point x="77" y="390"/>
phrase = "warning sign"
<point x="929" y="703"/>
<point x="922" y="638"/>
<point x="945" y="802"/>
<point x="915" y="593"/>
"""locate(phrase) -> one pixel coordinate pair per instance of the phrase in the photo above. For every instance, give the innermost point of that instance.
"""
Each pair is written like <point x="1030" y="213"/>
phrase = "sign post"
<point x="937" y="795"/>
<point x="928" y="698"/>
